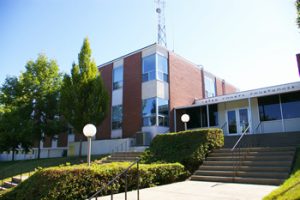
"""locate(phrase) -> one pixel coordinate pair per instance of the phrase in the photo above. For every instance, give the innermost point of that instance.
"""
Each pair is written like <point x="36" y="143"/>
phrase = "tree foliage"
<point x="298" y="12"/>
<point x="84" y="98"/>
<point x="32" y="101"/>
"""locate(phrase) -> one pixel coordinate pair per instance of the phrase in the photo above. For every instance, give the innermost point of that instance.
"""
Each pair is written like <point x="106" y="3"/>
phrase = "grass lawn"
<point x="290" y="189"/>
<point x="13" y="168"/>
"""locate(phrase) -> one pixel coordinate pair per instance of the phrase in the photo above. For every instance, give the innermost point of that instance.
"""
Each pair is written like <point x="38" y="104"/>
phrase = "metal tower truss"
<point x="161" y="27"/>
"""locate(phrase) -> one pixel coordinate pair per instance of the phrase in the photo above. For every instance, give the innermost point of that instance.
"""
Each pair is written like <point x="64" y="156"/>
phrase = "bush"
<point x="290" y="189"/>
<point x="187" y="147"/>
<point x="80" y="182"/>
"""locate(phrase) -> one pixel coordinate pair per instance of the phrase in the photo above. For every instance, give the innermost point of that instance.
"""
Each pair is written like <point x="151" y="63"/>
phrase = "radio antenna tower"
<point x="161" y="27"/>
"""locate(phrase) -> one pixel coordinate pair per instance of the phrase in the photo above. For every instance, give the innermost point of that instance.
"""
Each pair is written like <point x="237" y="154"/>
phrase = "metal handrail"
<point x="245" y="131"/>
<point x="118" y="176"/>
<point x="223" y="126"/>
<point x="257" y="127"/>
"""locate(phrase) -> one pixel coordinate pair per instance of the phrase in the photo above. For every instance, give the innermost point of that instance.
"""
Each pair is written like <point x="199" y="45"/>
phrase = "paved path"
<point x="199" y="190"/>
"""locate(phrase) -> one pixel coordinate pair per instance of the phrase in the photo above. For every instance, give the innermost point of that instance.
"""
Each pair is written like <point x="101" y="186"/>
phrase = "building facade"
<point x="274" y="109"/>
<point x="146" y="85"/>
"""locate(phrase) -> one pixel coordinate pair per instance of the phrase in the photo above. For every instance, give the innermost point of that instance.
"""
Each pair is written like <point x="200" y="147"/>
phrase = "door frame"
<point x="237" y="117"/>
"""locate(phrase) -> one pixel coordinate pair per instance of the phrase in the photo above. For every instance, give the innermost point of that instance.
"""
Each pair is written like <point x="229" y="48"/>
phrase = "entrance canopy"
<point x="264" y="110"/>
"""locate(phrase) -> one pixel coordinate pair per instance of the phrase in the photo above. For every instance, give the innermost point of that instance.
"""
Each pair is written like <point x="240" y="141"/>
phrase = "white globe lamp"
<point x="89" y="131"/>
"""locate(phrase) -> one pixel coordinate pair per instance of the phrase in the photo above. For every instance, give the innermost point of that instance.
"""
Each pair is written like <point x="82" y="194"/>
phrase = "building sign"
<point x="290" y="87"/>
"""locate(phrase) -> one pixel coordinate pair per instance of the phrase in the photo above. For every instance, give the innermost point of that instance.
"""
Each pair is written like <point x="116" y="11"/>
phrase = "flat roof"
<point x="265" y="91"/>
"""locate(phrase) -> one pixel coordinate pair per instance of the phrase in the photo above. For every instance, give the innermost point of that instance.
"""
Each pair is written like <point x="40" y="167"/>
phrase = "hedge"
<point x="187" y="147"/>
<point x="80" y="182"/>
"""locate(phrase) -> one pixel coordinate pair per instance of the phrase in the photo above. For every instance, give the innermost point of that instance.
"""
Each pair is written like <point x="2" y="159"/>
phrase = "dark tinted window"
<point x="269" y="108"/>
<point x="290" y="105"/>
<point x="213" y="115"/>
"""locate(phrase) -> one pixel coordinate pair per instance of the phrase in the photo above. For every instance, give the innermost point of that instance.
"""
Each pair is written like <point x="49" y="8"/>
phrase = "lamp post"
<point x="89" y="131"/>
<point x="185" y="118"/>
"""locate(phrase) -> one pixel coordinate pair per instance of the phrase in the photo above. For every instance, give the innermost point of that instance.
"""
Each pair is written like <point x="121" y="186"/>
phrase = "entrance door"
<point x="238" y="120"/>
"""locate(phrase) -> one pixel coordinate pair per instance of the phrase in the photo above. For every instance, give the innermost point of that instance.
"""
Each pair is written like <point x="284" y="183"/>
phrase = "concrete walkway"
<point x="198" y="190"/>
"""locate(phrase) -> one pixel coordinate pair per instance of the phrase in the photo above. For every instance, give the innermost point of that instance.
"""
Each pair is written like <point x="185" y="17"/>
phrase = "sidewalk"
<point x="198" y="190"/>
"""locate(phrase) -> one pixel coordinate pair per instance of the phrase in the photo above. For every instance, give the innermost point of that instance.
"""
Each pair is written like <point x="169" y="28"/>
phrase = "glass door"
<point x="231" y="119"/>
<point x="238" y="120"/>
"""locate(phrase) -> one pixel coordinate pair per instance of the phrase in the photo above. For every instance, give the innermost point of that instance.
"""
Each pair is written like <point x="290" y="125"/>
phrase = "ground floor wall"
<point x="100" y="146"/>
<point x="33" y="154"/>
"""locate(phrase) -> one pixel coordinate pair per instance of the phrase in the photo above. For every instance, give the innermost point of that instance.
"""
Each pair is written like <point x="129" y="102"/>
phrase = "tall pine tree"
<point x="84" y="98"/>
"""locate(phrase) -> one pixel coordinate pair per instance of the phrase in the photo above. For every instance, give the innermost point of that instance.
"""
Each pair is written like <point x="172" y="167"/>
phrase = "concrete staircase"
<point x="122" y="157"/>
<point x="13" y="183"/>
<point x="259" y="165"/>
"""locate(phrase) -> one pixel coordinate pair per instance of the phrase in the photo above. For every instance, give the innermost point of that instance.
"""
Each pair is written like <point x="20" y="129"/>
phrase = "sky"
<point x="250" y="44"/>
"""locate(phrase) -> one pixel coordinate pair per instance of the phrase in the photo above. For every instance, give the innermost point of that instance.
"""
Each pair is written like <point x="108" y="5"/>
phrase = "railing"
<point x="13" y="171"/>
<point x="96" y="195"/>
<point x="223" y="127"/>
<point x="258" y="126"/>
<point x="238" y="159"/>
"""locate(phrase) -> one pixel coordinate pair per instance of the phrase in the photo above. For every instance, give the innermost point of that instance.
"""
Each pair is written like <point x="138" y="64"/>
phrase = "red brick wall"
<point x="47" y="142"/>
<point x="62" y="139"/>
<point x="186" y="84"/>
<point x="132" y="95"/>
<point x="219" y="87"/>
<point x="229" y="89"/>
<point x="104" y="130"/>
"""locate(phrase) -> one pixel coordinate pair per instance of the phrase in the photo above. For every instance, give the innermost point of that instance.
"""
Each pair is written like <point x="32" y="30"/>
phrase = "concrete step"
<point x="279" y="175"/>
<point x="2" y="188"/>
<point x="122" y="158"/>
<point x="258" y="149"/>
<point x="246" y="168"/>
<point x="8" y="184"/>
<point x="131" y="154"/>
<point x="251" y="158"/>
<point x="253" y="153"/>
<point x="19" y="179"/>
<point x="249" y="180"/>
<point x="247" y="163"/>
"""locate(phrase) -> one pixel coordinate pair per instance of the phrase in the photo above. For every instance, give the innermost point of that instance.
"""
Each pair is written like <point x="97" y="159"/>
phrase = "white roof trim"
<point x="266" y="91"/>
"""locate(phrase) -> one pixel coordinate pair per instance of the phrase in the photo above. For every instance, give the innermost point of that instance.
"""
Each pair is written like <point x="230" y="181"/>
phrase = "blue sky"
<point x="251" y="44"/>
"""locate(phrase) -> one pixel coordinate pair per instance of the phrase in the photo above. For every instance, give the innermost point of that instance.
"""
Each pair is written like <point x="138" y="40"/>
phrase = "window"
<point x="155" y="67"/>
<point x="162" y="68"/>
<point x="290" y="105"/>
<point x="163" y="112"/>
<point x="149" y="112"/>
<point x="118" y="78"/>
<point x="117" y="115"/>
<point x="269" y="108"/>
<point x="155" y="112"/>
<point x="213" y="115"/>
<point x="210" y="87"/>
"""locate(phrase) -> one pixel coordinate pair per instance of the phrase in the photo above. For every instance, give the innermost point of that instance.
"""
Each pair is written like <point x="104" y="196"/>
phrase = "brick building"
<point x="146" y="85"/>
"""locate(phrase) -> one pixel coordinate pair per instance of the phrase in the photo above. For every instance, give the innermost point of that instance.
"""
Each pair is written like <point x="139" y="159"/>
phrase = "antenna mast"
<point x="161" y="27"/>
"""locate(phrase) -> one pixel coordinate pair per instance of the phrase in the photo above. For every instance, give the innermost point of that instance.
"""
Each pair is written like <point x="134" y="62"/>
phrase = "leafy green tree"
<point x="84" y="98"/>
<point x="33" y="100"/>
<point x="298" y="12"/>
<point x="15" y="131"/>
<point x="41" y="84"/>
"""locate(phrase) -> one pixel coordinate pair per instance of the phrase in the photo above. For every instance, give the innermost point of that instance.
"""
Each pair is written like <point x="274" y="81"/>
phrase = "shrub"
<point x="290" y="189"/>
<point x="80" y="182"/>
<point x="187" y="147"/>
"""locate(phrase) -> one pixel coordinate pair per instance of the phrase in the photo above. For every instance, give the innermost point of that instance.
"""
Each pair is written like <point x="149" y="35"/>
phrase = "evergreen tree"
<point x="84" y="98"/>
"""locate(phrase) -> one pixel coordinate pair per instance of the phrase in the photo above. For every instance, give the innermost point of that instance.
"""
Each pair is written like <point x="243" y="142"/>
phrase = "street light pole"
<point x="185" y="118"/>
<point x="89" y="131"/>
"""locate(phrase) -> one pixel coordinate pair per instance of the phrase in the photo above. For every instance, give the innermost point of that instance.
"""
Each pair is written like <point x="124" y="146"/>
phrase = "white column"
<point x="250" y="114"/>
<point x="175" y="129"/>
<point x="207" y="115"/>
